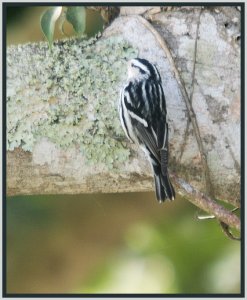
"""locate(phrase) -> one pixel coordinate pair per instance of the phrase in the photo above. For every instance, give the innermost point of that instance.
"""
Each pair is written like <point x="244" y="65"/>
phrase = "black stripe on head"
<point x="142" y="67"/>
<point x="152" y="70"/>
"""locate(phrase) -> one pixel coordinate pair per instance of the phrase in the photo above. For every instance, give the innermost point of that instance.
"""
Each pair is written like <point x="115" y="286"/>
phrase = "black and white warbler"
<point x="142" y="110"/>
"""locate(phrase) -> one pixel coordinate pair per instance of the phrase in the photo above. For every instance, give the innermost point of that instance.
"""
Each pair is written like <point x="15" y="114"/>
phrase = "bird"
<point x="143" y="116"/>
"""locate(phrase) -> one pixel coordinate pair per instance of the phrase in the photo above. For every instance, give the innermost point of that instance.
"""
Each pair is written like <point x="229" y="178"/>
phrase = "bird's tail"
<point x="163" y="187"/>
<point x="159" y="189"/>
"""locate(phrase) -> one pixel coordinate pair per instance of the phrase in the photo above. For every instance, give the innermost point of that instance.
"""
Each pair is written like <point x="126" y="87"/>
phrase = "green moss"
<point x="69" y="95"/>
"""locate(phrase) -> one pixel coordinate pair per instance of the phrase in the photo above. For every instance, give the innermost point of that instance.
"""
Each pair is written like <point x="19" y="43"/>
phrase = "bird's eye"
<point x="138" y="68"/>
<point x="142" y="71"/>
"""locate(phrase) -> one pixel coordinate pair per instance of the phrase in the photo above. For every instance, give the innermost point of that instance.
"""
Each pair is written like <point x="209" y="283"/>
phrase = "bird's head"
<point x="139" y="68"/>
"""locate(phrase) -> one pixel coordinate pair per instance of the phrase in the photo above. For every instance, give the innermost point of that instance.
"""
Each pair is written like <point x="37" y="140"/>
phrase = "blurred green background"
<point x="112" y="243"/>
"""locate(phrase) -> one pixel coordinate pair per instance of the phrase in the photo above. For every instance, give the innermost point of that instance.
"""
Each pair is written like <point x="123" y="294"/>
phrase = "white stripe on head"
<point x="136" y="63"/>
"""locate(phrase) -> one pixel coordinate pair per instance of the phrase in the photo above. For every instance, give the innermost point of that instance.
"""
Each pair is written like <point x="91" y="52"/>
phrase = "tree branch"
<point x="64" y="134"/>
<point x="206" y="203"/>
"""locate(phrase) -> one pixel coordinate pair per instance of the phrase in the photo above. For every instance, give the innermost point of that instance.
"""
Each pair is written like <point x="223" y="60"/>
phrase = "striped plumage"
<point x="142" y="110"/>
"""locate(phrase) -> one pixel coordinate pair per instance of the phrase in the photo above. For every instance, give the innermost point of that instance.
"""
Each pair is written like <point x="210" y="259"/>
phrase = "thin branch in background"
<point x="186" y="98"/>
<point x="227" y="232"/>
<point x="194" y="59"/>
<point x="225" y="228"/>
<point x="186" y="134"/>
<point x="206" y="203"/>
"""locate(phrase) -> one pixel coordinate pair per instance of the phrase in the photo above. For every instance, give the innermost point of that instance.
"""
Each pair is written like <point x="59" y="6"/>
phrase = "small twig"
<point x="207" y="217"/>
<point x="206" y="203"/>
<point x="186" y="134"/>
<point x="185" y="138"/>
<point x="226" y="229"/>
<point x="224" y="226"/>
<point x="194" y="59"/>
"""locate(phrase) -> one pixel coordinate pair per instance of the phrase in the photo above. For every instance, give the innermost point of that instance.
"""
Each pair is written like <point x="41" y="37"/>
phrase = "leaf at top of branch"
<point x="76" y="15"/>
<point x="48" y="20"/>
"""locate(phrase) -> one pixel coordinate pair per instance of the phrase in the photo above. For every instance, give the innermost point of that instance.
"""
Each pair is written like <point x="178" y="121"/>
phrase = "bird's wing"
<point x="163" y="146"/>
<point x="148" y="139"/>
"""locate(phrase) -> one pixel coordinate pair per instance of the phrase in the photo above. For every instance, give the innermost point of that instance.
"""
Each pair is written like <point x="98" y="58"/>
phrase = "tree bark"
<point x="63" y="131"/>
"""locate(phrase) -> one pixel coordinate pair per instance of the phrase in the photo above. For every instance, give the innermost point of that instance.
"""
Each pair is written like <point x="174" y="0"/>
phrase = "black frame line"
<point x="5" y="5"/>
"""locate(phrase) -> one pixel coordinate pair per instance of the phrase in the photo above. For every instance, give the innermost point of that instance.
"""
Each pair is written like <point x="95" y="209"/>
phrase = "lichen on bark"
<point x="68" y="95"/>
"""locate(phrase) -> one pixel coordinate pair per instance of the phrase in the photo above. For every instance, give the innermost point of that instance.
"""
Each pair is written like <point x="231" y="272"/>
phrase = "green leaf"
<point x="48" y="20"/>
<point x="76" y="15"/>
